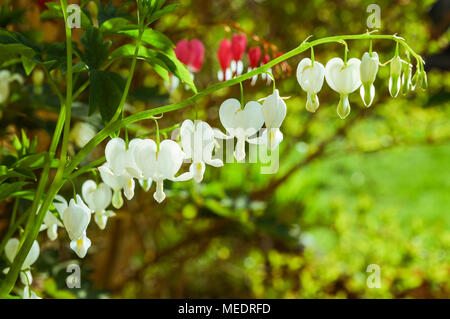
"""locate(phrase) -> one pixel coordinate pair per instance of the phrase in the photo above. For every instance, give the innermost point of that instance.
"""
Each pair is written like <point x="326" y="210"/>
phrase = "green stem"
<point x="33" y="224"/>
<point x="130" y="76"/>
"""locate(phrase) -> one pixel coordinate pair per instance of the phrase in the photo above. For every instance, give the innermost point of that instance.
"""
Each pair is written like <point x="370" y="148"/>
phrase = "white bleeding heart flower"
<point x="11" y="249"/>
<point x="51" y="224"/>
<point x="343" y="78"/>
<point x="118" y="170"/>
<point x="159" y="165"/>
<point x="310" y="77"/>
<point x="197" y="141"/>
<point x="29" y="294"/>
<point x="82" y="133"/>
<point x="273" y="111"/>
<point x="368" y="72"/>
<point x="241" y="123"/>
<point x="5" y="80"/>
<point x="98" y="198"/>
<point x="76" y="218"/>
<point x="395" y="76"/>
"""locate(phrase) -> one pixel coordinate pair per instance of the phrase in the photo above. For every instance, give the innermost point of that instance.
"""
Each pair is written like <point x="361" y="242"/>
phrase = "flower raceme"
<point x="344" y="78"/>
<point x="310" y="76"/>
<point x="98" y="198"/>
<point x="197" y="141"/>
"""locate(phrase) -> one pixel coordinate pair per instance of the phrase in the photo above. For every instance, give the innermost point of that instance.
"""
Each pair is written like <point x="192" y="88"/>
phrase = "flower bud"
<point x="406" y="78"/>
<point x="395" y="80"/>
<point x="368" y="72"/>
<point x="343" y="108"/>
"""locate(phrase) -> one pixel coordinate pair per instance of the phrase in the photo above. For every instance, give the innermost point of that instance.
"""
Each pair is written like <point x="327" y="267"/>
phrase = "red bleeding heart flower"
<point x="254" y="54"/>
<point x="238" y="46"/>
<point x="191" y="53"/>
<point x="225" y="56"/>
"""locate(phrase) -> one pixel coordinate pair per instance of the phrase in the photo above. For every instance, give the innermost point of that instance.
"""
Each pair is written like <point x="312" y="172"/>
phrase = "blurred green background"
<point x="371" y="189"/>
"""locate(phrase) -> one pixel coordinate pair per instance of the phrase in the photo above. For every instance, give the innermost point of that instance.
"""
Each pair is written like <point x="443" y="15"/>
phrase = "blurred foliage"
<point x="372" y="189"/>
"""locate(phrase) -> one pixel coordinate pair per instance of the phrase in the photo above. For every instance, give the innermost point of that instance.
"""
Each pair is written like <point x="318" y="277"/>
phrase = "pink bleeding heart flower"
<point x="197" y="55"/>
<point x="225" y="56"/>
<point x="238" y="46"/>
<point x="191" y="53"/>
<point x="254" y="55"/>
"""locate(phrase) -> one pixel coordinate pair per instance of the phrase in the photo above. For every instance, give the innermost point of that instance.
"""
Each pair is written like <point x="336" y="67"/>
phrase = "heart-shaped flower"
<point x="11" y="249"/>
<point x="241" y="123"/>
<point x="343" y="78"/>
<point x="197" y="140"/>
<point x="310" y="77"/>
<point x="98" y="198"/>
<point x="159" y="164"/>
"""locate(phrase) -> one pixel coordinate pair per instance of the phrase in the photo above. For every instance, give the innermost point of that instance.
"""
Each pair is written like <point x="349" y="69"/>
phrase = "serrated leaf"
<point x="105" y="93"/>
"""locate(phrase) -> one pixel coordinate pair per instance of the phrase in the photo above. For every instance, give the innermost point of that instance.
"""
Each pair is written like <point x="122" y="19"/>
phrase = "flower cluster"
<point x="345" y="77"/>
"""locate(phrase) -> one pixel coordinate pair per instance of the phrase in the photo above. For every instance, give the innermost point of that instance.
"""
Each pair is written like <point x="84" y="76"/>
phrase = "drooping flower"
<point x="266" y="76"/>
<point x="238" y="46"/>
<point x="11" y="249"/>
<point x="76" y="218"/>
<point x="115" y="172"/>
<point x="368" y="72"/>
<point x="395" y="76"/>
<point x="197" y="140"/>
<point x="225" y="56"/>
<point x="191" y="53"/>
<point x="343" y="78"/>
<point x="98" y="198"/>
<point x="310" y="77"/>
<point x="51" y="224"/>
<point x="158" y="164"/>
<point x="254" y="55"/>
<point x="5" y="80"/>
<point x="274" y="112"/>
<point x="240" y="123"/>
<point x="82" y="133"/>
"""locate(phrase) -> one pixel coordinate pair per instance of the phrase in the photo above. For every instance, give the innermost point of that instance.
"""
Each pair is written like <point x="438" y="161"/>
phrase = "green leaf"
<point x="115" y="25"/>
<point x="7" y="189"/>
<point x="153" y="38"/>
<point x="159" y="60"/>
<point x="13" y="51"/>
<point x="28" y="64"/>
<point x="95" y="50"/>
<point x="110" y="11"/>
<point x="158" y="14"/>
<point x="105" y="93"/>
